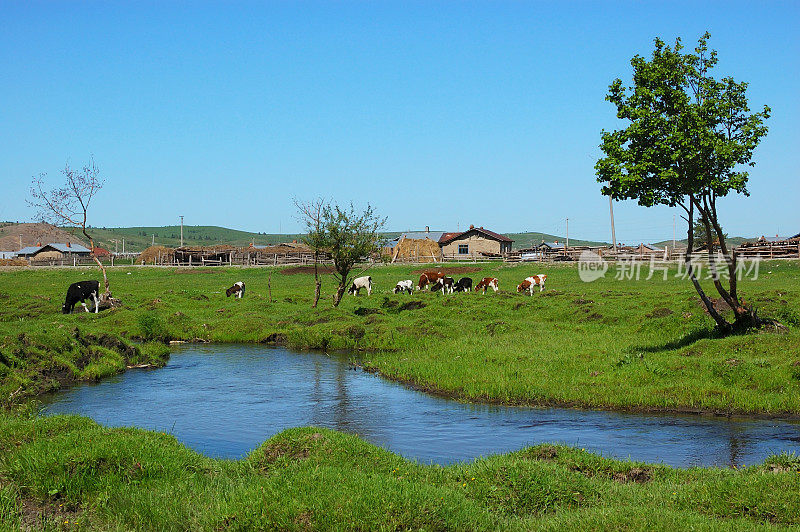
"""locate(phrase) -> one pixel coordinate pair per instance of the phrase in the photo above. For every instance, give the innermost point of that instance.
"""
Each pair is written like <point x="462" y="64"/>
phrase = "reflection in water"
<point x="224" y="400"/>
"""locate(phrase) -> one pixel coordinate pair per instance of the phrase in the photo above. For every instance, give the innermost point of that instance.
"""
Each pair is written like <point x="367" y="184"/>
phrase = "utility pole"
<point x="181" y="231"/>
<point x="123" y="246"/>
<point x="20" y="242"/>
<point x="154" y="240"/>
<point x="613" y="234"/>
<point x="567" y="233"/>
<point x="673" y="232"/>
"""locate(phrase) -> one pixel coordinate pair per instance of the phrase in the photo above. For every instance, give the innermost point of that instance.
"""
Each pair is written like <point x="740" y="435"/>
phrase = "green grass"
<point x="80" y="475"/>
<point x="617" y="344"/>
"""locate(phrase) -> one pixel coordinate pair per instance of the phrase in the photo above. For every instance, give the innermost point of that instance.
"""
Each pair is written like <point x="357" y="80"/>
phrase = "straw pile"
<point x="156" y="255"/>
<point x="13" y="262"/>
<point x="413" y="249"/>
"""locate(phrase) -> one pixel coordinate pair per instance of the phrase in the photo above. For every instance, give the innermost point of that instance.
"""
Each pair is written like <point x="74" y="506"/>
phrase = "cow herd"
<point x="437" y="280"/>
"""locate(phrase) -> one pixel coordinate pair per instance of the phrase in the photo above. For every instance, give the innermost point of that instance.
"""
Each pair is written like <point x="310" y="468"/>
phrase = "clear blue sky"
<point x="438" y="113"/>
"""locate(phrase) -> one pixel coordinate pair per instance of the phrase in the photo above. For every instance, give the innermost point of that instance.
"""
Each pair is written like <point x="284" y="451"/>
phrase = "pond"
<point x="225" y="400"/>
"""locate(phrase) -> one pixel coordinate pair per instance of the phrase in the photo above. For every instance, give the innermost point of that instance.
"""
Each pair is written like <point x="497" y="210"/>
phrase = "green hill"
<point x="138" y="238"/>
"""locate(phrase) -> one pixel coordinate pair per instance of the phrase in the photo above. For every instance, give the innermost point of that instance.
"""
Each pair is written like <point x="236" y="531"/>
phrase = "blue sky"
<point x="437" y="113"/>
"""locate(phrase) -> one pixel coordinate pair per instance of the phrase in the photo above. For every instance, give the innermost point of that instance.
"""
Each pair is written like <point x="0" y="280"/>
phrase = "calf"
<point x="359" y="283"/>
<point x="445" y="284"/>
<point x="464" y="285"/>
<point x="237" y="288"/>
<point x="427" y="278"/>
<point x="404" y="286"/>
<point x="81" y="291"/>
<point x="488" y="282"/>
<point x="532" y="281"/>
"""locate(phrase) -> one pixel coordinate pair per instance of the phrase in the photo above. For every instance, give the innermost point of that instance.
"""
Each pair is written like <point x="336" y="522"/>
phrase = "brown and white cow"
<point x="488" y="282"/>
<point x="529" y="282"/>
<point x="427" y="278"/>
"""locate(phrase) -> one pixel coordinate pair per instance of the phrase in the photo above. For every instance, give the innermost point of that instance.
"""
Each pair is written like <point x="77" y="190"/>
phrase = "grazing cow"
<point x="428" y="277"/>
<point x="488" y="282"/>
<point x="404" y="286"/>
<point x="81" y="291"/>
<point x="532" y="281"/>
<point x="237" y="288"/>
<point x="445" y="284"/>
<point x="464" y="285"/>
<point x="359" y="283"/>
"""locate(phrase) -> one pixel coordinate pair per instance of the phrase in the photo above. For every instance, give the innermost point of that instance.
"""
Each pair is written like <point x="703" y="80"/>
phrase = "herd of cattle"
<point x="82" y="290"/>
<point x="438" y="281"/>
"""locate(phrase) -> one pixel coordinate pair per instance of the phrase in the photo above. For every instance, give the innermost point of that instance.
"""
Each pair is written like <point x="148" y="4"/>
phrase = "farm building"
<point x="101" y="253"/>
<point x="475" y="242"/>
<point x="53" y="251"/>
<point x="768" y="247"/>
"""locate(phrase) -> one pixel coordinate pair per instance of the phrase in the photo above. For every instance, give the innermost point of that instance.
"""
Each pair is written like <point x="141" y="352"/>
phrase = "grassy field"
<point x="622" y="344"/>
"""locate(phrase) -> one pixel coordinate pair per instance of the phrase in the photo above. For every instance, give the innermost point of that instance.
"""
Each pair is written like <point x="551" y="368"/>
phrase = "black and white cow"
<point x="464" y="285"/>
<point x="404" y="286"/>
<point x="237" y="288"/>
<point x="359" y="283"/>
<point x="445" y="284"/>
<point x="81" y="291"/>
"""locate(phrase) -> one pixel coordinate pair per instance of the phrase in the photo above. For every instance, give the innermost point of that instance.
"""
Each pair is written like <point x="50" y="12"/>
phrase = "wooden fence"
<point x="763" y="251"/>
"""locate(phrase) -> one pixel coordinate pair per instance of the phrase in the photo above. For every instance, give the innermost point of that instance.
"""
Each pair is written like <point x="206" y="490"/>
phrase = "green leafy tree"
<point x="350" y="237"/>
<point x="701" y="236"/>
<point x="688" y="139"/>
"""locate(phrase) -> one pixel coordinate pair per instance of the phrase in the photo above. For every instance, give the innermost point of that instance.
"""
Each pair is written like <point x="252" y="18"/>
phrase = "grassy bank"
<point x="69" y="473"/>
<point x="625" y="344"/>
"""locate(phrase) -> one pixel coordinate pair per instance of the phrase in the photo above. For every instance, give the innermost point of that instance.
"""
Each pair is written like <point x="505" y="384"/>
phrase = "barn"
<point x="54" y="251"/>
<point x="474" y="242"/>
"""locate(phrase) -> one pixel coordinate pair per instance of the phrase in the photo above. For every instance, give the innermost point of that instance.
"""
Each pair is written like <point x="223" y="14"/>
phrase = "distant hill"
<point x="33" y="233"/>
<point x="139" y="238"/>
<point x="731" y="241"/>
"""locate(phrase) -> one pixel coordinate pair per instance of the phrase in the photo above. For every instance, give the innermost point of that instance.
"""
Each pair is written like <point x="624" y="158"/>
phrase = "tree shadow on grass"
<point x="684" y="340"/>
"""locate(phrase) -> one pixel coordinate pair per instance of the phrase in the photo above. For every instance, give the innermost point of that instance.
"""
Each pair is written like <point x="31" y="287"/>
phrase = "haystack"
<point x="423" y="249"/>
<point x="156" y="255"/>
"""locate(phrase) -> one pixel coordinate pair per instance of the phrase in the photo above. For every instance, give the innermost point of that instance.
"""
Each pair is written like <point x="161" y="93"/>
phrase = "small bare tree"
<point x="310" y="213"/>
<point x="68" y="205"/>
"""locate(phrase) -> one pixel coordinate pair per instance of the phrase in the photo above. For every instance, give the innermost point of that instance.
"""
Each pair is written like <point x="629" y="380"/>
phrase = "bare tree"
<point x="310" y="213"/>
<point x="68" y="205"/>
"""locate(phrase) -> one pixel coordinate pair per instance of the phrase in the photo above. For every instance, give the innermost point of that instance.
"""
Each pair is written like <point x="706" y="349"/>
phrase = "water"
<point x="225" y="400"/>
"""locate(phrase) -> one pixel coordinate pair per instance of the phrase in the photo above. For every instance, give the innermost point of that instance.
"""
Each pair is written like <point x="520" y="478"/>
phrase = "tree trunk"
<point x="337" y="297"/>
<point x="317" y="282"/>
<point x="722" y="323"/>
<point x="745" y="316"/>
<point x="107" y="293"/>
